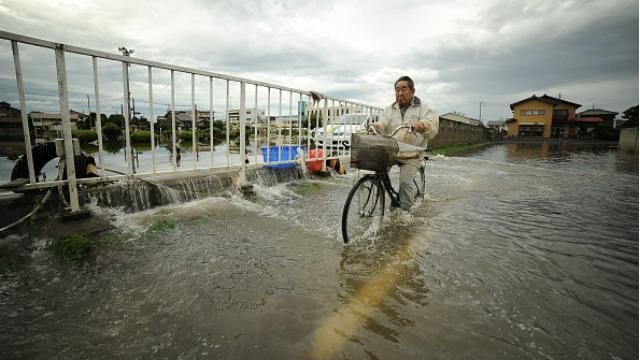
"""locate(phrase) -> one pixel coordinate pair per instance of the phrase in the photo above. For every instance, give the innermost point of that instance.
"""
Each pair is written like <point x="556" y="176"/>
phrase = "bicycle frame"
<point x="366" y="200"/>
<point x="384" y="179"/>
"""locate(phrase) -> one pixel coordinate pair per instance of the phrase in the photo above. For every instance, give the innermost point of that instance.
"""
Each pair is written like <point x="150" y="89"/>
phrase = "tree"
<point x="111" y="131"/>
<point x="103" y="119"/>
<point x="116" y="119"/>
<point x="631" y="117"/>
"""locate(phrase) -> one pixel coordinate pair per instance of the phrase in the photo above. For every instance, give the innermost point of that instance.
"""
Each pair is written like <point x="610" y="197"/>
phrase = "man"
<point x="408" y="109"/>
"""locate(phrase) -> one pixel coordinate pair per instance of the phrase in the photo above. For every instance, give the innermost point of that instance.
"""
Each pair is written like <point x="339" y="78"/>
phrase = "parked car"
<point x="339" y="131"/>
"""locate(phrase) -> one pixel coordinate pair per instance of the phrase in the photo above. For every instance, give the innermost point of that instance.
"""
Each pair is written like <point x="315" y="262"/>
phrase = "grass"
<point x="454" y="149"/>
<point x="305" y="187"/>
<point x="162" y="225"/>
<point x="73" y="248"/>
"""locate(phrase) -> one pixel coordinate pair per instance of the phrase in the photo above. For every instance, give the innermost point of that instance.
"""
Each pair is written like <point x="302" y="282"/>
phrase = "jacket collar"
<point x="414" y="102"/>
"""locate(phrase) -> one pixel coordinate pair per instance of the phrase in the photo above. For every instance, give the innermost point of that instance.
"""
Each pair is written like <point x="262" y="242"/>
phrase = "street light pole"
<point x="127" y="116"/>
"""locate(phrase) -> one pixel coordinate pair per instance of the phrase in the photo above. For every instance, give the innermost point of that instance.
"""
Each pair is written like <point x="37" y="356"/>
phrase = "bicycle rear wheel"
<point x="363" y="210"/>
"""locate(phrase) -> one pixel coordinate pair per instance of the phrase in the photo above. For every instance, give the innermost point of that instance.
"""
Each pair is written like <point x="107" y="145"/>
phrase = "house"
<point x="11" y="134"/>
<point x="496" y="125"/>
<point x="607" y="117"/>
<point x="250" y="115"/>
<point x="48" y="126"/>
<point x="542" y="116"/>
<point x="184" y="121"/>
<point x="459" y="118"/>
<point x="456" y="128"/>
<point x="596" y="123"/>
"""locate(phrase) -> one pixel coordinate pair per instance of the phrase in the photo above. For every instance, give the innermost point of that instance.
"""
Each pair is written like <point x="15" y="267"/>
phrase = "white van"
<point x="339" y="131"/>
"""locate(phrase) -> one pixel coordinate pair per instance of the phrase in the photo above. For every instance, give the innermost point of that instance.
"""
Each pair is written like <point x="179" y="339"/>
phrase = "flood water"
<point x="518" y="252"/>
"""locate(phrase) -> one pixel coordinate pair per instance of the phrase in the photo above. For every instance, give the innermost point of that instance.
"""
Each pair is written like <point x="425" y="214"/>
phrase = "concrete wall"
<point x="452" y="132"/>
<point x="628" y="140"/>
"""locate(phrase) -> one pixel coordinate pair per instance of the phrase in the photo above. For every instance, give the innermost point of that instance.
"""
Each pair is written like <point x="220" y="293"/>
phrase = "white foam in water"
<point x="275" y="193"/>
<point x="138" y="222"/>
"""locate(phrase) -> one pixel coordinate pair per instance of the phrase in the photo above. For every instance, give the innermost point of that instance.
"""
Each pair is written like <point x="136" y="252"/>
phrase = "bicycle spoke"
<point x="363" y="211"/>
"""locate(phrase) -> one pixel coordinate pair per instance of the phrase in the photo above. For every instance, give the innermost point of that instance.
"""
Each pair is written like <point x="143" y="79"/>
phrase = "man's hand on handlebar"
<point x="374" y="128"/>
<point x="417" y="127"/>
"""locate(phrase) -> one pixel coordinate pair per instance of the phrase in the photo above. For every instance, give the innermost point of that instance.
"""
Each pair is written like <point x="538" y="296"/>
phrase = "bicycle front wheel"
<point x="363" y="210"/>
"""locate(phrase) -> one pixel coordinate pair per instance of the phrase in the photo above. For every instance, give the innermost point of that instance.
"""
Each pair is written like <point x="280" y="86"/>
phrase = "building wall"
<point x="512" y="128"/>
<point x="453" y="132"/>
<point x="541" y="119"/>
<point x="628" y="140"/>
<point x="571" y="112"/>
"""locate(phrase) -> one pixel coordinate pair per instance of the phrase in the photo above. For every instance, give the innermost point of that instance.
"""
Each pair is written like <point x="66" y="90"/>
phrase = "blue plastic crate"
<point x="287" y="152"/>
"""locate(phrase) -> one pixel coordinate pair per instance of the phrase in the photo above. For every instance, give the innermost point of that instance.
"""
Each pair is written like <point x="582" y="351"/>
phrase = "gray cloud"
<point x="460" y="53"/>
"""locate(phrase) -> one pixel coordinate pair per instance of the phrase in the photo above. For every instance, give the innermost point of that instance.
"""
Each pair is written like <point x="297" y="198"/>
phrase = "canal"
<point x="519" y="251"/>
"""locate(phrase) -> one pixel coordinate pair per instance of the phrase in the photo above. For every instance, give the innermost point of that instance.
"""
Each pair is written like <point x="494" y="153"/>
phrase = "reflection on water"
<point x="376" y="279"/>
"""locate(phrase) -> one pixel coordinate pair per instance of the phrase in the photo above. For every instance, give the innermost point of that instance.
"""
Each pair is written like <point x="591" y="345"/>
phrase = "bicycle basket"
<point x="373" y="152"/>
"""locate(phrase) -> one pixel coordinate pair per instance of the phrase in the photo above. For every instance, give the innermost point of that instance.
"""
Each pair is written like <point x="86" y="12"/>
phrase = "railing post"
<point x="174" y="155"/>
<point x="98" y="114"/>
<point x="23" y="112"/>
<point x="194" y="127"/>
<point x="325" y="125"/>
<point x="242" y="181"/>
<point x="127" y="112"/>
<point x="66" y="128"/>
<point x="151" y="121"/>
<point x="211" y="119"/>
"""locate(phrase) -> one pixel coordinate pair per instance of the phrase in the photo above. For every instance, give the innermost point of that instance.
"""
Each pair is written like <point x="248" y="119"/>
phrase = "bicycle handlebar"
<point x="395" y="131"/>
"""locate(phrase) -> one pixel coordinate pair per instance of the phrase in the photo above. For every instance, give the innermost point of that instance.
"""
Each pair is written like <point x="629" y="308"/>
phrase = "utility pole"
<point x="89" y="108"/>
<point x="480" y="117"/>
<point x="127" y="52"/>
<point x="127" y="93"/>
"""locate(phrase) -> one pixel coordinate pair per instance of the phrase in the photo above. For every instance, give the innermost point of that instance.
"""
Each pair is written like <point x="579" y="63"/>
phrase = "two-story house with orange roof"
<point x="542" y="116"/>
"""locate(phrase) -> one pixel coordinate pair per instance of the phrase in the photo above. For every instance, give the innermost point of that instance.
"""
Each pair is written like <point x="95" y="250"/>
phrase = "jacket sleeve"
<point x="385" y="119"/>
<point x="429" y="119"/>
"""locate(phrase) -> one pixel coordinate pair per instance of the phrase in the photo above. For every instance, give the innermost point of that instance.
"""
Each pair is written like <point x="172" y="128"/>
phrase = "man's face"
<point x="404" y="94"/>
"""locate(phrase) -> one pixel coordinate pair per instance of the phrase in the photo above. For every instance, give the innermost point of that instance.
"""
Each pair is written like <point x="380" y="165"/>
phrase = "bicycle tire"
<point x="363" y="210"/>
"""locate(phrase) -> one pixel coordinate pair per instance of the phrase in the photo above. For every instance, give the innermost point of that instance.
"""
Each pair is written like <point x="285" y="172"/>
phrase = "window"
<point x="531" y="112"/>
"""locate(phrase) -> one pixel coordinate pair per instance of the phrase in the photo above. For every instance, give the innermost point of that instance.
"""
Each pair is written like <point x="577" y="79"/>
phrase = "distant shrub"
<point x="85" y="136"/>
<point x="143" y="136"/>
<point x="185" y="135"/>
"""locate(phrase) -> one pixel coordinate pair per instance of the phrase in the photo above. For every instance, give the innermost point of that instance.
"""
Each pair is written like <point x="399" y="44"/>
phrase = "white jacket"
<point x="417" y="112"/>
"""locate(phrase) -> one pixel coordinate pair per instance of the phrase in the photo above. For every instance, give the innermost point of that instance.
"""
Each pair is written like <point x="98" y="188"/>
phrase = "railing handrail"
<point x="319" y="107"/>
<point x="132" y="60"/>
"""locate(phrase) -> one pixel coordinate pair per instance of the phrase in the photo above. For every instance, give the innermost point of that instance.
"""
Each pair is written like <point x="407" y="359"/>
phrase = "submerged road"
<point x="518" y="252"/>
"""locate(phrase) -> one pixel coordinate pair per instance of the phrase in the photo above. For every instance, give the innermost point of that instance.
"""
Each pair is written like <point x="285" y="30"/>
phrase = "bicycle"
<point x="365" y="205"/>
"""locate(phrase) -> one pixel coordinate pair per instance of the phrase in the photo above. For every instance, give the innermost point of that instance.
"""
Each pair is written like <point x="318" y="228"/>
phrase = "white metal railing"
<point x="317" y="113"/>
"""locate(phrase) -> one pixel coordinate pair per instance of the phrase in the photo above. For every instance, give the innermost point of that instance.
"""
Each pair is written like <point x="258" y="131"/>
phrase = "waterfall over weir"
<point x="148" y="193"/>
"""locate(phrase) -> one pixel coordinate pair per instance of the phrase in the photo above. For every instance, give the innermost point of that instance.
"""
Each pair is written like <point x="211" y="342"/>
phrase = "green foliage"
<point x="111" y="131"/>
<point x="85" y="136"/>
<point x="185" y="135"/>
<point x="162" y="225"/>
<point x="453" y="149"/>
<point x="631" y="117"/>
<point x="142" y="136"/>
<point x="73" y="248"/>
<point x="117" y="119"/>
<point x="305" y="187"/>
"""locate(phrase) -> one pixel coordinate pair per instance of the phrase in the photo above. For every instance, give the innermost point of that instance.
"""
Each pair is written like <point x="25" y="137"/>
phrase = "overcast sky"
<point x="459" y="52"/>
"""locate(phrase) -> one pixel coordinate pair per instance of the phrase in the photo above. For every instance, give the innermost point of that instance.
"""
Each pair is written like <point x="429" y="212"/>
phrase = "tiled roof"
<point x="547" y="99"/>
<point x="586" y="119"/>
<point x="597" y="112"/>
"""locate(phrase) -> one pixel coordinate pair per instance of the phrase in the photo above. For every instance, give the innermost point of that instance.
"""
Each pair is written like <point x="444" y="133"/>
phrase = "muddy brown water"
<point x="518" y="252"/>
